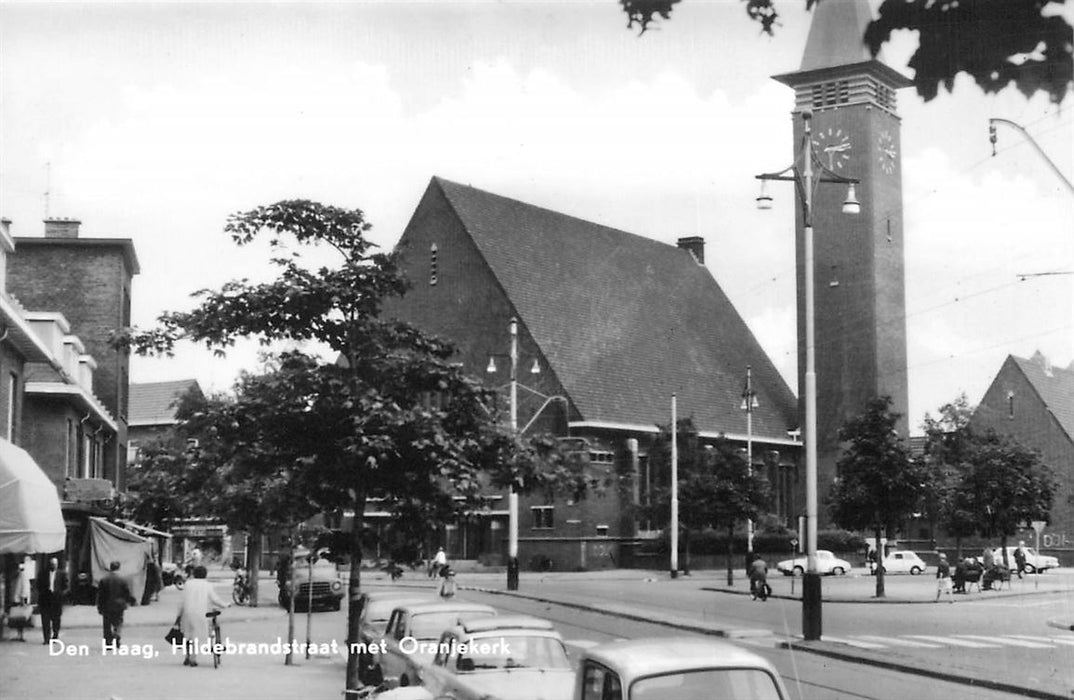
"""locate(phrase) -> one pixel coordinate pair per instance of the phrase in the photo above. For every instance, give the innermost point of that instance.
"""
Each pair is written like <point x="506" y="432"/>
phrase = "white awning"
<point x="30" y="518"/>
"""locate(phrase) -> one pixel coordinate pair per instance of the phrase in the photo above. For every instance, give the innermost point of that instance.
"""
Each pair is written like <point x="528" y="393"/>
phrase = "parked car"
<point x="690" y="668"/>
<point x="411" y="635"/>
<point x="502" y="658"/>
<point x="901" y="563"/>
<point x="323" y="586"/>
<point x="827" y="563"/>
<point x="376" y="609"/>
<point x="1034" y="560"/>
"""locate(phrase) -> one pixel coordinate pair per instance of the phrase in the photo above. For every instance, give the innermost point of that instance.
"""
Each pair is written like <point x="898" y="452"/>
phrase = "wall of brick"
<point x="90" y="285"/>
<point x="46" y="435"/>
<point x="1033" y="425"/>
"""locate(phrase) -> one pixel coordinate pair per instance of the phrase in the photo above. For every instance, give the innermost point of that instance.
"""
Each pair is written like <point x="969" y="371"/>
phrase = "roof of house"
<point x="1054" y="385"/>
<point x="154" y="403"/>
<point x="624" y="321"/>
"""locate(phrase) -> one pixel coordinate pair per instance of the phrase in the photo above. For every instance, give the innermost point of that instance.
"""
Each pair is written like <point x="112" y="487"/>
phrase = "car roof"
<point x="637" y="658"/>
<point x="443" y="606"/>
<point x="505" y="622"/>
<point x="382" y="595"/>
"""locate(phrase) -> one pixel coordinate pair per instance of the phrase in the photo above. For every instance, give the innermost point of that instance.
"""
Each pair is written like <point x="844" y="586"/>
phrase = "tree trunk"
<point x="289" y="583"/>
<point x="253" y="563"/>
<point x="354" y="593"/>
<point x="958" y="548"/>
<point x="879" y="564"/>
<point x="1003" y="550"/>
<point x="686" y="551"/>
<point x="730" y="555"/>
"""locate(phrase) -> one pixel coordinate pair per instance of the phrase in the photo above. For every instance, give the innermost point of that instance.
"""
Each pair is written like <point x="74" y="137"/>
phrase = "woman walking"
<point x="198" y="599"/>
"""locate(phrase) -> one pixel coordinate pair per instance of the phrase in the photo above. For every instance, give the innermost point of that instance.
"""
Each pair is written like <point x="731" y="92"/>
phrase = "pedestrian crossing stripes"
<point x="965" y="641"/>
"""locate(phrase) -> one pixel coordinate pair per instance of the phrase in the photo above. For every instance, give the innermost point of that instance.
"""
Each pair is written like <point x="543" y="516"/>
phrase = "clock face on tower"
<point x="832" y="146"/>
<point x="886" y="152"/>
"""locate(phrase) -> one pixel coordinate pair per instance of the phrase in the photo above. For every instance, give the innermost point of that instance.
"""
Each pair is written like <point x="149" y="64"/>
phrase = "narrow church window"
<point x="433" y="269"/>
<point x="1010" y="405"/>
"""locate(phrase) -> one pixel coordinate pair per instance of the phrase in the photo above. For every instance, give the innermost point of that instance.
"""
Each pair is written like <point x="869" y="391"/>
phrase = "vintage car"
<point x="376" y="609"/>
<point x="827" y="563"/>
<point x="1034" y="562"/>
<point x="900" y="562"/>
<point x="413" y="630"/>
<point x="320" y="585"/>
<point x="499" y="658"/>
<point x="689" y="668"/>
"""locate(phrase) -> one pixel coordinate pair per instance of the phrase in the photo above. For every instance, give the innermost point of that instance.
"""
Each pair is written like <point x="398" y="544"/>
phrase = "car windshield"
<point x="431" y="625"/>
<point x="725" y="684"/>
<point x="514" y="651"/>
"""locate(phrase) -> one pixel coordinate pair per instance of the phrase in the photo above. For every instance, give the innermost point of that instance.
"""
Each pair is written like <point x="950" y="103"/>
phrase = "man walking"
<point x="113" y="597"/>
<point x="51" y="587"/>
<point x="943" y="579"/>
<point x="1020" y="558"/>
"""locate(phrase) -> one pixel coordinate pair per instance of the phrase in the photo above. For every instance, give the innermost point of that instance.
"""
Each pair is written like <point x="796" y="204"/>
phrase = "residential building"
<point x="153" y="412"/>
<point x="614" y="325"/>
<point x="88" y="281"/>
<point x="1032" y="402"/>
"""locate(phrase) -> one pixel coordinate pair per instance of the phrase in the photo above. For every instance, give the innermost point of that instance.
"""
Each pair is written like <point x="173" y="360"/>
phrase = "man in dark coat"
<point x="52" y="586"/>
<point x="113" y="597"/>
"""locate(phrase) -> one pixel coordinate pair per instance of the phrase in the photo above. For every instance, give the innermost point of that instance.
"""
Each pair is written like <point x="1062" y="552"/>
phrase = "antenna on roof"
<point x="48" y="187"/>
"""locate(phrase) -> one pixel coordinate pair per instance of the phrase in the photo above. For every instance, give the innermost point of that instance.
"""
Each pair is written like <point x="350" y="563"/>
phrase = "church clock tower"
<point x="859" y="288"/>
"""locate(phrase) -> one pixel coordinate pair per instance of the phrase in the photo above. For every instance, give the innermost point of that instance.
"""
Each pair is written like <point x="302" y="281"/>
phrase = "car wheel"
<point x="1030" y="569"/>
<point x="838" y="571"/>
<point x="915" y="571"/>
<point x="404" y="681"/>
<point x="799" y="571"/>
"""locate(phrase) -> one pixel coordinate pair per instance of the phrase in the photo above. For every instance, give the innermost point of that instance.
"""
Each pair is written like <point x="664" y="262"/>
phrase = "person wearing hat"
<point x="943" y="579"/>
<point x="113" y="597"/>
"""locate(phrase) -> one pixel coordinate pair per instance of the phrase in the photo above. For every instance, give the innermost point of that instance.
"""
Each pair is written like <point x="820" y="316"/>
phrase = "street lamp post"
<point x="749" y="402"/>
<point x="801" y="173"/>
<point x="512" y="496"/>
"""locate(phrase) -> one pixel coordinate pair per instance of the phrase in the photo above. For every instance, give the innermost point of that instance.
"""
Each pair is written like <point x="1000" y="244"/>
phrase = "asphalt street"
<point x="871" y="649"/>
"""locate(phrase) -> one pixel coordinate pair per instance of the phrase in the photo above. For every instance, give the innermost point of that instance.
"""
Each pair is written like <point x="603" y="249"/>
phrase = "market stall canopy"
<point x="30" y="518"/>
<point x="109" y="543"/>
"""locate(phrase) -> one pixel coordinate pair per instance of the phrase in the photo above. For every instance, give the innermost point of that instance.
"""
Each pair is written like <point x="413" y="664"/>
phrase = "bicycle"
<point x="214" y="636"/>
<point x="241" y="589"/>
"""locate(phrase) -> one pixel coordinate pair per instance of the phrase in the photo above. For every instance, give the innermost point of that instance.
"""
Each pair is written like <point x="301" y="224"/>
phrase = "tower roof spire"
<point x="835" y="35"/>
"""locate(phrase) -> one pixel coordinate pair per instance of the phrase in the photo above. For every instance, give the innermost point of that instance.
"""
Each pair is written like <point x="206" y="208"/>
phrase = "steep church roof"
<point x="623" y="320"/>
<point x="835" y="35"/>
<point x="1054" y="385"/>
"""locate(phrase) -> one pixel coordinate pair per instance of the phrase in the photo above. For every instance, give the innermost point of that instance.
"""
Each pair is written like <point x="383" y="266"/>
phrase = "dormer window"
<point x="434" y="271"/>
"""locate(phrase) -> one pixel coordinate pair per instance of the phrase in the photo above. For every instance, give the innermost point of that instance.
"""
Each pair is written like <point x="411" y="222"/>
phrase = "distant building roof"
<point x="154" y="403"/>
<point x="625" y="321"/>
<point x="1054" y="385"/>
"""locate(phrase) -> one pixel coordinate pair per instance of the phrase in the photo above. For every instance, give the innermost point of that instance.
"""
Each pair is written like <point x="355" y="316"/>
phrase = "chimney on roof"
<point x="62" y="228"/>
<point x="695" y="245"/>
<point x="1043" y="361"/>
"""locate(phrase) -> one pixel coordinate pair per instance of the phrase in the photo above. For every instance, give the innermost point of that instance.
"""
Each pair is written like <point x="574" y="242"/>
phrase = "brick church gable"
<point x="622" y="321"/>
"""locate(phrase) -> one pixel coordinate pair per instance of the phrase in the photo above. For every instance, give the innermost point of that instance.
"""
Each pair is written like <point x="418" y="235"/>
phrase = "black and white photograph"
<point x="537" y="350"/>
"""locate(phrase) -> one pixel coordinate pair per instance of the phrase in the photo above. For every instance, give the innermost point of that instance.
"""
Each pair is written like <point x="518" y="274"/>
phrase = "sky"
<point x="154" y="122"/>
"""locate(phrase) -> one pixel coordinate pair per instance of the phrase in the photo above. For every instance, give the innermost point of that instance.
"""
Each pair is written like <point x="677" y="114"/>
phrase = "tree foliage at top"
<point x="393" y="419"/>
<point x="878" y="485"/>
<point x="947" y="442"/>
<point x="996" y="42"/>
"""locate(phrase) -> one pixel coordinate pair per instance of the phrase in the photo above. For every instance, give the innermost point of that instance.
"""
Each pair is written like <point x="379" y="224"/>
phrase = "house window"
<point x="132" y="452"/>
<point x="12" y="390"/>
<point x="87" y="456"/>
<point x="602" y="530"/>
<point x="434" y="270"/>
<point x="543" y="517"/>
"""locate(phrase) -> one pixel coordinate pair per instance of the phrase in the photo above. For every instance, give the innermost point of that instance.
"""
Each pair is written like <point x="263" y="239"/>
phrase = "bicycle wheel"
<point x="216" y="641"/>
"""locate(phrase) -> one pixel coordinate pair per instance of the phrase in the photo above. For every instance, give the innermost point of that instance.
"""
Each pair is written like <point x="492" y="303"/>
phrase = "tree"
<point x="878" y="484"/>
<point x="1005" y="485"/>
<point x="947" y="439"/>
<point x="716" y="489"/>
<point x="394" y="419"/>
<point x="996" y="42"/>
